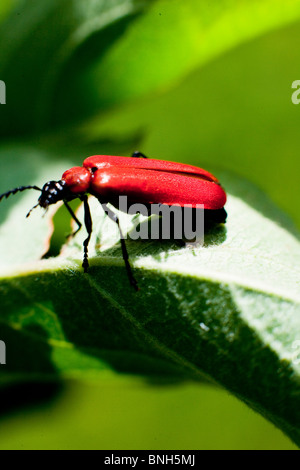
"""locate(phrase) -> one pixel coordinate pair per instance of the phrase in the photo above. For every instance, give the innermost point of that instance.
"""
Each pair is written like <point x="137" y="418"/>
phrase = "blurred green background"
<point x="197" y="82"/>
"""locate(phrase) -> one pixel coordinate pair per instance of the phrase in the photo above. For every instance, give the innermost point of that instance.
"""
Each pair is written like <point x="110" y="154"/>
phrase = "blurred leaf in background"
<point x="197" y="82"/>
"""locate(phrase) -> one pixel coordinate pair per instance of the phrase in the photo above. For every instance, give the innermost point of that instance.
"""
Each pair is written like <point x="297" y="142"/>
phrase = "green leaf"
<point x="5" y="8"/>
<point x="227" y="311"/>
<point x="86" y="58"/>
<point x="38" y="40"/>
<point x="173" y="38"/>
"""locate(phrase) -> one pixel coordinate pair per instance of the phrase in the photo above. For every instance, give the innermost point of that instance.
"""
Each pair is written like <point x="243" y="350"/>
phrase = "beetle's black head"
<point x="52" y="192"/>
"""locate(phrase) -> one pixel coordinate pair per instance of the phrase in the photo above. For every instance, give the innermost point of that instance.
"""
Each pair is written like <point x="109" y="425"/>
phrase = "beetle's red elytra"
<point x="141" y="180"/>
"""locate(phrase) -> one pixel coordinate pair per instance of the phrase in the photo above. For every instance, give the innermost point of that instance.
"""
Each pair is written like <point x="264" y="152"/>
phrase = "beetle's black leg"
<point x="79" y="224"/>
<point x="89" y="227"/>
<point x="115" y="219"/>
<point x="138" y="154"/>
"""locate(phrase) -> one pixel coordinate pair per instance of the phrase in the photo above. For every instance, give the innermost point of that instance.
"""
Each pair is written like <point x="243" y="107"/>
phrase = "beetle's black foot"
<point x="138" y="154"/>
<point x="134" y="284"/>
<point x="85" y="265"/>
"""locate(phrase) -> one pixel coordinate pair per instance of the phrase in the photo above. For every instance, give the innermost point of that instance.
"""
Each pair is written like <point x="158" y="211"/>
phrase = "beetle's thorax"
<point x="77" y="180"/>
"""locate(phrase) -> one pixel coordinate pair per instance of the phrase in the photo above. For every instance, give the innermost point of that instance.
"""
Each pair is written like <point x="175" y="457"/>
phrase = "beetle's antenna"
<point x="27" y="215"/>
<point x="14" y="191"/>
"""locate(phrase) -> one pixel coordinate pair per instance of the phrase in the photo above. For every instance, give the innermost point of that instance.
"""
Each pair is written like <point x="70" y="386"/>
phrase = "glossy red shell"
<point x="146" y="181"/>
<point x="108" y="161"/>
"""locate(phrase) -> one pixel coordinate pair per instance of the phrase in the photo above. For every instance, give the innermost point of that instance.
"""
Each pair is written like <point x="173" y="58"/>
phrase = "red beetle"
<point x="141" y="180"/>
